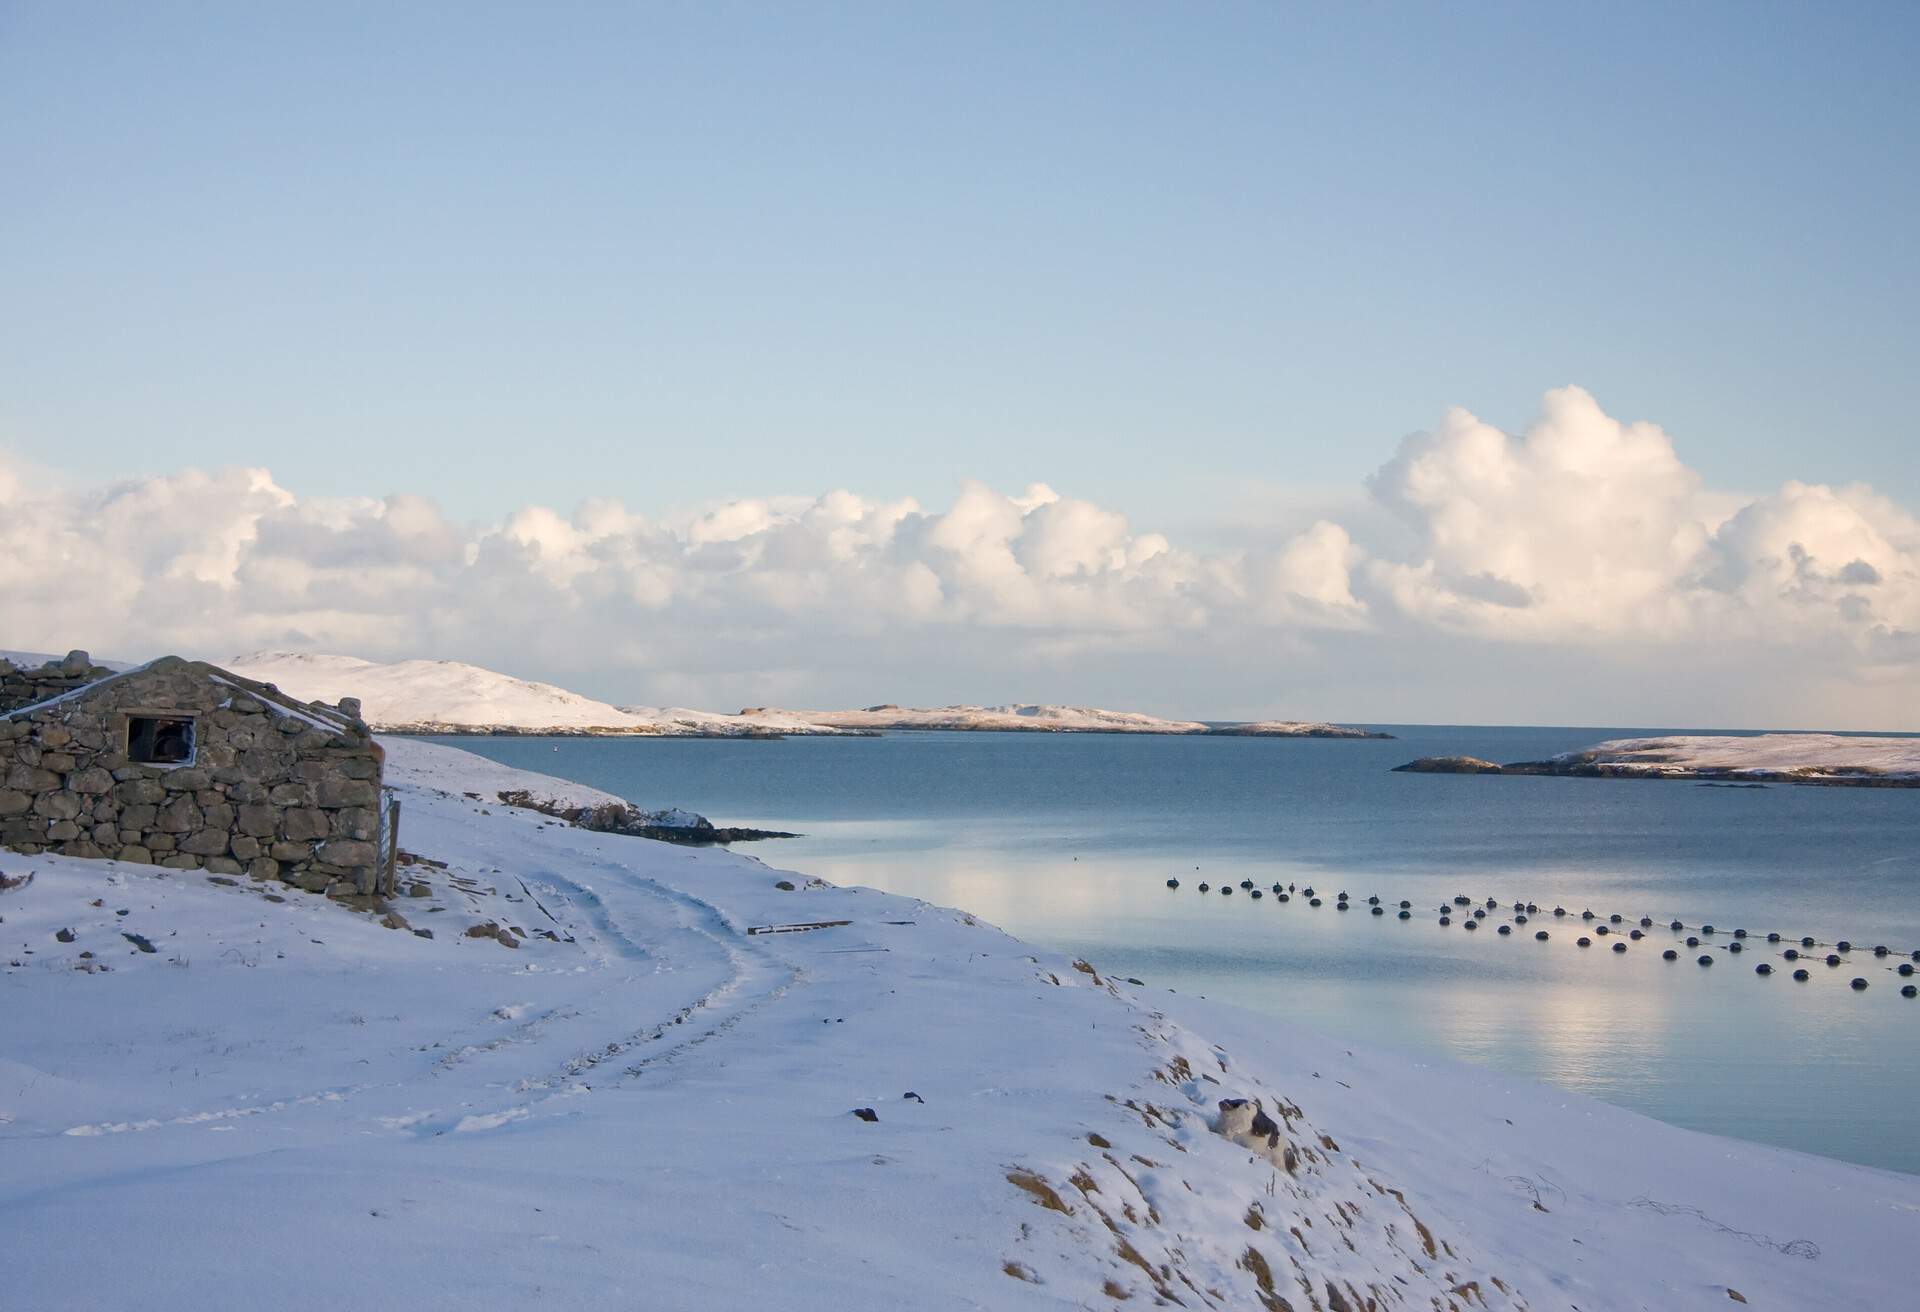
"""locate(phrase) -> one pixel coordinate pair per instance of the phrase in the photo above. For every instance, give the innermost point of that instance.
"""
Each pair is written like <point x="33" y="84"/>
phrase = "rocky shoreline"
<point x="681" y="827"/>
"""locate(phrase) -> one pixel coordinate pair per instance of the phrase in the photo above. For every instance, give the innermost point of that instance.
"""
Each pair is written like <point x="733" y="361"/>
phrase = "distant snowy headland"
<point x="1834" y="760"/>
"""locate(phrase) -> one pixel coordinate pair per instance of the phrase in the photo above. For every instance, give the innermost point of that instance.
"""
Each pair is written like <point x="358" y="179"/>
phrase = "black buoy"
<point x="1461" y="900"/>
<point x="1599" y="929"/>
<point x="1479" y="913"/>
<point x="1313" y="901"/>
<point x="1373" y="901"/>
<point x="1519" y="920"/>
<point x="1646" y="922"/>
<point x="1692" y="942"/>
<point x="1916" y="954"/>
<point x="1791" y="954"/>
<point x="1739" y="933"/>
<point x="1635" y="935"/>
<point x="1446" y="920"/>
<point x="1676" y="925"/>
<point x="1615" y="918"/>
<point x="1256" y="893"/>
<point x="1706" y="958"/>
<point x="1341" y="906"/>
<point x="1278" y="889"/>
<point x="1734" y="946"/>
<point x="1802" y="976"/>
<point x="1908" y="990"/>
<point x="1670" y="955"/>
<point x="1618" y="946"/>
<point x="1519" y="906"/>
<point x="1204" y="887"/>
<point x="1470" y="924"/>
<point x="1706" y="929"/>
<point x="1584" y="941"/>
<point x="1559" y="911"/>
<point x="1807" y="942"/>
<point x="1173" y="883"/>
<point x="1506" y="929"/>
<point x="1532" y="909"/>
<point x="1405" y="914"/>
<point x="1405" y="905"/>
<point x="1226" y="890"/>
<point x="1541" y="935"/>
<point x="1773" y="938"/>
<point x="1307" y="891"/>
<point x="1844" y="945"/>
<point x="1833" y="959"/>
<point x="1906" y="968"/>
<point x="1283" y="897"/>
<point x="1246" y="883"/>
<point x="1763" y="969"/>
<point x="1880" y="949"/>
<point x="1586" y="915"/>
<point x="1379" y="910"/>
<point x="1857" y="984"/>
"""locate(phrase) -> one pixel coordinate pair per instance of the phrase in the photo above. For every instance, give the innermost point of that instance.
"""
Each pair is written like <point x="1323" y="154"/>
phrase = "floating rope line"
<point x="1475" y="912"/>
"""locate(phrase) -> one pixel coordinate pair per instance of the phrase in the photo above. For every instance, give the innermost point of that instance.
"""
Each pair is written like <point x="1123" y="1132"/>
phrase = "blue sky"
<point x="1215" y="274"/>
<point x="1151" y="254"/>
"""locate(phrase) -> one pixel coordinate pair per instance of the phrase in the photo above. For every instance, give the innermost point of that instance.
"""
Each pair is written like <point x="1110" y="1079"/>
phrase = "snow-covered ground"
<point x="453" y="696"/>
<point x="1806" y="754"/>
<point x="286" y="1104"/>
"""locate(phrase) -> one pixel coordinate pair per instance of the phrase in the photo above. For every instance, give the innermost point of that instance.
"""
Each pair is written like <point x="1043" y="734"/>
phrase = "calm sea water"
<point x="1068" y="840"/>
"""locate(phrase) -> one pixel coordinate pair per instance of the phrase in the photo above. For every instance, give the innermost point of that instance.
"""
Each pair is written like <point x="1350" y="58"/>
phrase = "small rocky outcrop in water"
<point x="676" y="826"/>
<point x="1449" y="765"/>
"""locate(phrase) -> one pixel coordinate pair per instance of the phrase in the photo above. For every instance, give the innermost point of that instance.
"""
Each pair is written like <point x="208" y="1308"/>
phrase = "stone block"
<point x="290" y="795"/>
<point x="90" y="781"/>
<point x="221" y="865"/>
<point x="263" y="867"/>
<point x="186" y="779"/>
<point x="301" y="824"/>
<point x="258" y="819"/>
<point x="27" y="779"/>
<point x="206" y="842"/>
<point x="138" y="817"/>
<point x="159" y="842"/>
<point x="219" y="816"/>
<point x="62" y="831"/>
<point x="14" y="803"/>
<point x="356" y="822"/>
<point x="348" y="852"/>
<point x="180" y="816"/>
<point x="179" y="862"/>
<point x="134" y="853"/>
<point x="60" y="806"/>
<point x="336" y="793"/>
<point x="59" y="762"/>
<point x="285" y="851"/>
<point x="245" y="846"/>
<point x="140" y="790"/>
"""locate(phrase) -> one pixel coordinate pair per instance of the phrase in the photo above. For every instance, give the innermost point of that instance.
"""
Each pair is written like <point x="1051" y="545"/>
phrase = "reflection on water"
<point x="1068" y="841"/>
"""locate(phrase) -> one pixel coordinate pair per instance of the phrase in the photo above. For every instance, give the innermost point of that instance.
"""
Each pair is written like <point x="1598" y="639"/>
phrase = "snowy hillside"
<point x="426" y="696"/>
<point x="621" y="1074"/>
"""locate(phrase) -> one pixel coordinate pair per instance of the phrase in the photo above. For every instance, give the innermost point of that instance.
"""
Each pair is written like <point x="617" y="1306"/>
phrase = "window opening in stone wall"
<point x="153" y="740"/>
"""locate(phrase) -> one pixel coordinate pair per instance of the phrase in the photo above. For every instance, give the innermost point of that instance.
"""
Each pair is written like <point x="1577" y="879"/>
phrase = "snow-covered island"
<point x="455" y="698"/>
<point x="1787" y="758"/>
<point x="1026" y="717"/>
<point x="575" y="1069"/>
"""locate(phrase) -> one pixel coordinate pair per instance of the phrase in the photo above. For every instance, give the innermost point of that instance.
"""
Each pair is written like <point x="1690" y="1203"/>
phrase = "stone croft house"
<point x="181" y="764"/>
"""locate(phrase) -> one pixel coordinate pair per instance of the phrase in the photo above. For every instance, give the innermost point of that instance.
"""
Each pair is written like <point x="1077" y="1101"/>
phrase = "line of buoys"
<point x="1282" y="893"/>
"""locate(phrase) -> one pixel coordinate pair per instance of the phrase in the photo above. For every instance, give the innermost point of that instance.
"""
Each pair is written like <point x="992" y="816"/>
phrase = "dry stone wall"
<point x="275" y="788"/>
<point x="22" y="686"/>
